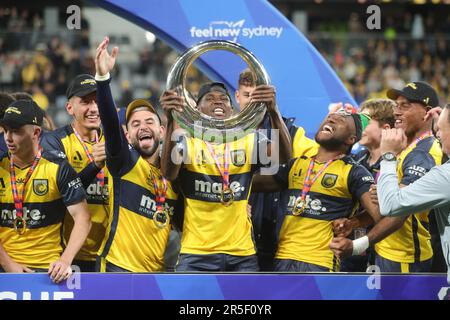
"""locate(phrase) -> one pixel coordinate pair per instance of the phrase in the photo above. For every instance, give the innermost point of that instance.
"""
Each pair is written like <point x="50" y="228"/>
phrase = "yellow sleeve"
<point x="302" y="145"/>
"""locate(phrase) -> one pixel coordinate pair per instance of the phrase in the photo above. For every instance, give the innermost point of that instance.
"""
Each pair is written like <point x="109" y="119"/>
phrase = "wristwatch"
<point x="389" y="156"/>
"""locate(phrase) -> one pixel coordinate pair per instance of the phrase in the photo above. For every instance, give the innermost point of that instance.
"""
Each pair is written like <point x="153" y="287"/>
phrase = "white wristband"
<point x="102" y="78"/>
<point x="360" y="245"/>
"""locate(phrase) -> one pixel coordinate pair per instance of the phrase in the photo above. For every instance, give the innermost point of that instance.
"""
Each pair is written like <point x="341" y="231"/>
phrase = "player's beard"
<point x="146" y="152"/>
<point x="332" y="144"/>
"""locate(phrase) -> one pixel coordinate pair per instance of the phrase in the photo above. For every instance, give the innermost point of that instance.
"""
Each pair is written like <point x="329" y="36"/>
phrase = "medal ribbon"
<point x="101" y="174"/>
<point x="307" y="184"/>
<point x="18" y="201"/>
<point x="225" y="173"/>
<point x="160" y="194"/>
<point x="415" y="142"/>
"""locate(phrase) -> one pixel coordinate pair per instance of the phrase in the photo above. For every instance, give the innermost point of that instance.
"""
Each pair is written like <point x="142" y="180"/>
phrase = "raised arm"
<point x="266" y="94"/>
<point x="116" y="143"/>
<point x="430" y="191"/>
<point x="173" y="148"/>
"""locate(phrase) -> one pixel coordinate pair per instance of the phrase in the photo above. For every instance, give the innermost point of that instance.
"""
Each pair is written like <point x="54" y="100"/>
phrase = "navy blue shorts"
<point x="289" y="265"/>
<point x="387" y="265"/>
<point x="218" y="262"/>
<point x="85" y="266"/>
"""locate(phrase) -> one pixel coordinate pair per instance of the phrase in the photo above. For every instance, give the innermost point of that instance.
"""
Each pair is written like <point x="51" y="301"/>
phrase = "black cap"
<point x="210" y="87"/>
<point x="22" y="112"/>
<point x="418" y="91"/>
<point x="81" y="85"/>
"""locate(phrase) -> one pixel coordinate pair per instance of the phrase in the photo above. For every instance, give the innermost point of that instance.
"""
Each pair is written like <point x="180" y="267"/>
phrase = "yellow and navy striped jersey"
<point x="335" y="194"/>
<point x="65" y="140"/>
<point x="209" y="226"/>
<point x="52" y="187"/>
<point x="412" y="242"/>
<point x="133" y="241"/>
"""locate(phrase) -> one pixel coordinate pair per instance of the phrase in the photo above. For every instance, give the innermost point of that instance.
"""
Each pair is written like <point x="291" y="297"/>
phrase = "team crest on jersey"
<point x="329" y="180"/>
<point x="238" y="157"/>
<point x="40" y="186"/>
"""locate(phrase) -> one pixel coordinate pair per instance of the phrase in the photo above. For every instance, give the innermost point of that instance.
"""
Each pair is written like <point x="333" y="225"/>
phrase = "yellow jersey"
<point x="133" y="241"/>
<point x="52" y="187"/>
<point x="209" y="226"/>
<point x="412" y="242"/>
<point x="65" y="140"/>
<point x="335" y="194"/>
<point x="302" y="145"/>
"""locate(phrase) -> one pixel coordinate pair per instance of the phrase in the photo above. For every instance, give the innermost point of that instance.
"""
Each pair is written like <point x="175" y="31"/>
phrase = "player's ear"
<point x="69" y="106"/>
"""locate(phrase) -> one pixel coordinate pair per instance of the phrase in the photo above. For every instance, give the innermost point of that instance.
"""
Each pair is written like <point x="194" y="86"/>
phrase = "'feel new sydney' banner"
<point x="304" y="81"/>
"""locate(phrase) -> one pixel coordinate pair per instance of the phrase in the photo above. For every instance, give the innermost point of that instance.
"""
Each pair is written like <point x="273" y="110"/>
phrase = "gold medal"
<point x="299" y="207"/>
<point x="160" y="218"/>
<point x="227" y="197"/>
<point x="20" y="225"/>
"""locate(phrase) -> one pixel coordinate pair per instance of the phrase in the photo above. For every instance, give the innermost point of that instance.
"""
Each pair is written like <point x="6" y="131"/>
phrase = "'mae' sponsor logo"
<point x="315" y="205"/>
<point x="233" y="29"/>
<point x="32" y="217"/>
<point x="216" y="187"/>
<point x="147" y="206"/>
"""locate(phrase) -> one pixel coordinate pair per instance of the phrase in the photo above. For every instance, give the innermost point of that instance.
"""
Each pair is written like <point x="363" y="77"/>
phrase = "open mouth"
<point x="146" y="137"/>
<point x="398" y="122"/>
<point x="327" y="129"/>
<point x="92" y="117"/>
<point x="220" y="112"/>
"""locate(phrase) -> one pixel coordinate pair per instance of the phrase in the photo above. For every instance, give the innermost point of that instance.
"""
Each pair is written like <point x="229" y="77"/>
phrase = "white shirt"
<point x="432" y="191"/>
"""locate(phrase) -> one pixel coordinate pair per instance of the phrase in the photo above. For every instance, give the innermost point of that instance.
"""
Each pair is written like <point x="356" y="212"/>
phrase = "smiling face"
<point x="84" y="110"/>
<point x="144" y="132"/>
<point x="409" y="116"/>
<point x="216" y="104"/>
<point x="336" y="132"/>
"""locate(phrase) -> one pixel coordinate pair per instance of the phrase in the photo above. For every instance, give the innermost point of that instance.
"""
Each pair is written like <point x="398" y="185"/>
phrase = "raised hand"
<point x="433" y="113"/>
<point x="104" y="62"/>
<point x="393" y="140"/>
<point x="338" y="106"/>
<point x="99" y="154"/>
<point x="264" y="93"/>
<point x="170" y="100"/>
